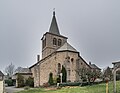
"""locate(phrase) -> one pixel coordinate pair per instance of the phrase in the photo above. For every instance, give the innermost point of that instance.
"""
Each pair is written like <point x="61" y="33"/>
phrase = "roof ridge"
<point x="66" y="46"/>
<point x="1" y="74"/>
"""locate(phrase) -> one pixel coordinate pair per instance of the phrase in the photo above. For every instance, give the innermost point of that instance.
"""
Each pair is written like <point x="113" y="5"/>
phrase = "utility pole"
<point x="114" y="75"/>
<point x="106" y="86"/>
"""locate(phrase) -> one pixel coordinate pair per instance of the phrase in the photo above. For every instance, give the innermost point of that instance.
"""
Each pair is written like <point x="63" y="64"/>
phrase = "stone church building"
<point x="56" y="52"/>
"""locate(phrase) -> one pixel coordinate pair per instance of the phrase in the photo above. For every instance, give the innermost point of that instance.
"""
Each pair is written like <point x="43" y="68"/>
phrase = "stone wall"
<point x="25" y="77"/>
<point x="1" y="86"/>
<point x="50" y="64"/>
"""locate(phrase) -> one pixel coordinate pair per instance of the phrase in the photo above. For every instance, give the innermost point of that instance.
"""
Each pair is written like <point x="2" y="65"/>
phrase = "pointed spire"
<point x="54" y="27"/>
<point x="54" y="12"/>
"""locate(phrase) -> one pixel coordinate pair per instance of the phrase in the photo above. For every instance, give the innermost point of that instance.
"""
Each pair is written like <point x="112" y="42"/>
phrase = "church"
<point x="57" y="53"/>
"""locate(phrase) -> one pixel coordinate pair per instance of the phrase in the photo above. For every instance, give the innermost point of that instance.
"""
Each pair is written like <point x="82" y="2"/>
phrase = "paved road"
<point x="12" y="89"/>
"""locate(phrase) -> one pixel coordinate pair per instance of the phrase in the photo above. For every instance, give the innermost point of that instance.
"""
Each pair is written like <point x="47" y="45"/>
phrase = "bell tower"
<point x="52" y="40"/>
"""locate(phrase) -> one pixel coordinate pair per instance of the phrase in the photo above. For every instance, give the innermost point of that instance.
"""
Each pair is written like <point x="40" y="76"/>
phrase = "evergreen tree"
<point x="50" y="79"/>
<point x="64" y="74"/>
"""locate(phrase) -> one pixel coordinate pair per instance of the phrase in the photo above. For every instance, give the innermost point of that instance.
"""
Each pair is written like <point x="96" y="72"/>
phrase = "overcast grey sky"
<point x="92" y="27"/>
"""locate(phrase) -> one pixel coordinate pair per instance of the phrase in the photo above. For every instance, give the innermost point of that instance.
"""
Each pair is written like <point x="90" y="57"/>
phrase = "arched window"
<point x="59" y="42"/>
<point x="54" y="41"/>
<point x="72" y="59"/>
<point x="59" y="68"/>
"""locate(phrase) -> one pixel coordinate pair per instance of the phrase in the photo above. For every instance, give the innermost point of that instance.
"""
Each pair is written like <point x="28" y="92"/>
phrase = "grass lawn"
<point x="100" y="88"/>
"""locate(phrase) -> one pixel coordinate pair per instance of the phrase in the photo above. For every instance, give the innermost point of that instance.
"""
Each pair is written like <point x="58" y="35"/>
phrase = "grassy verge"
<point x="100" y="88"/>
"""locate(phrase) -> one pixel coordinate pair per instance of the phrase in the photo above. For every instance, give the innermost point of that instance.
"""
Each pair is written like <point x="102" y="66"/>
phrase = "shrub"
<point x="29" y="82"/>
<point x="84" y="84"/>
<point x="45" y="85"/>
<point x="118" y="77"/>
<point x="58" y="79"/>
<point x="26" y="88"/>
<point x="9" y="82"/>
<point x="55" y="80"/>
<point x="50" y="79"/>
<point x="20" y="80"/>
<point x="70" y="84"/>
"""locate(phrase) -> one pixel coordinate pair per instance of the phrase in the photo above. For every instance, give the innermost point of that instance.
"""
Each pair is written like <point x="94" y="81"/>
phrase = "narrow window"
<point x="81" y="63"/>
<point x="72" y="59"/>
<point x="59" y="68"/>
<point x="54" y="41"/>
<point x="59" y="42"/>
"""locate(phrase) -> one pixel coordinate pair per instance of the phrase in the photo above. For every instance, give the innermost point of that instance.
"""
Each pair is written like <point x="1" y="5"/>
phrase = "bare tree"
<point x="9" y="70"/>
<point x="19" y="69"/>
<point x="107" y="74"/>
<point x="87" y="74"/>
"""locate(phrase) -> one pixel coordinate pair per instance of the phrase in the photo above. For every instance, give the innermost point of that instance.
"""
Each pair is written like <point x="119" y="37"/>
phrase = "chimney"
<point x="38" y="58"/>
<point x="89" y="63"/>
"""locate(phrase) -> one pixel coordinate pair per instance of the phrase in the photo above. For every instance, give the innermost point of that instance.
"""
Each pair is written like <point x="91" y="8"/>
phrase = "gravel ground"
<point x="12" y="89"/>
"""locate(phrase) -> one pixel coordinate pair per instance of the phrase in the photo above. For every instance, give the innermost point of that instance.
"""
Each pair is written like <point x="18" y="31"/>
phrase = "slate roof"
<point x="22" y="70"/>
<point x="54" y="27"/>
<point x="1" y="74"/>
<point x="94" y="66"/>
<point x="107" y="69"/>
<point x="68" y="47"/>
<point x="117" y="62"/>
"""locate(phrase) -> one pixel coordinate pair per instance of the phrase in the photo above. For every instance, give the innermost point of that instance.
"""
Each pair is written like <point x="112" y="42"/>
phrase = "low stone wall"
<point x="1" y="86"/>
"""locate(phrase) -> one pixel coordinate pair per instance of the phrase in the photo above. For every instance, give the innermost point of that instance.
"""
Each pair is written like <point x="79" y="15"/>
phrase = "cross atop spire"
<point x="54" y="27"/>
<point x="53" y="11"/>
